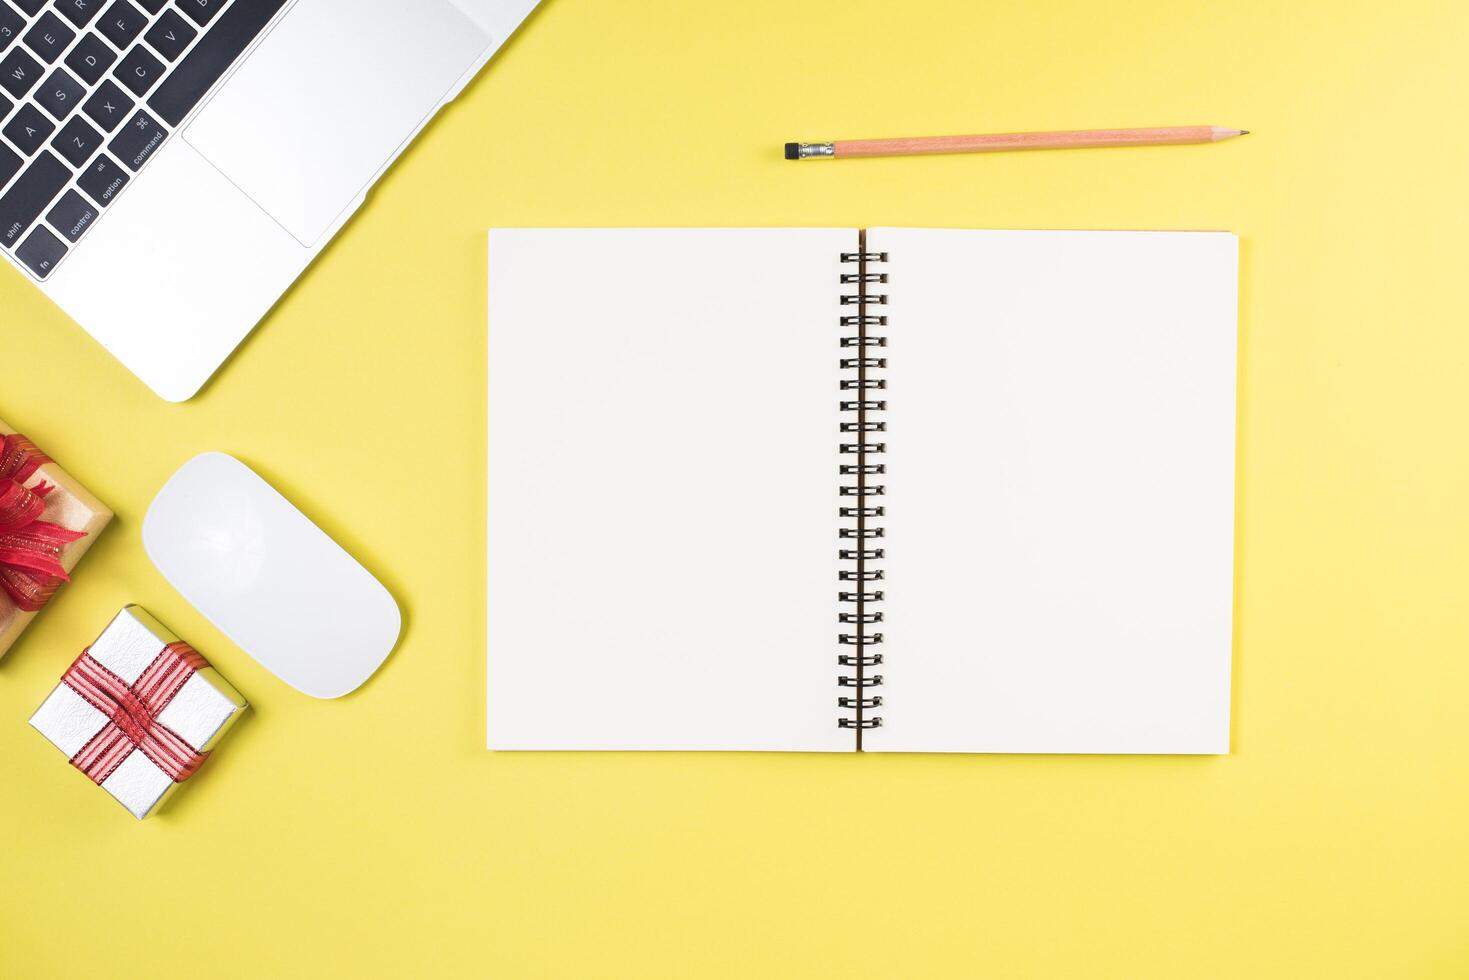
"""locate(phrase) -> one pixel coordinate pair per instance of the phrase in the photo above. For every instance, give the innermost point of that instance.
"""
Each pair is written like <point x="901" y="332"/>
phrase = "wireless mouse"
<point x="268" y="578"/>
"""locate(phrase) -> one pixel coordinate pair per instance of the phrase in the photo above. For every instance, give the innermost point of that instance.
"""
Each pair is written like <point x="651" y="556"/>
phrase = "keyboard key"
<point x="11" y="24"/>
<point x="108" y="106"/>
<point x="5" y="106"/>
<point x="77" y="141"/>
<point x="139" y="70"/>
<point x="102" y="180"/>
<point x="60" y="93"/>
<point x="41" y="252"/>
<point x="29" y="130"/>
<point x="10" y="164"/>
<point x="170" y="35"/>
<point x="29" y="7"/>
<point x="122" y="23"/>
<point x="79" y="12"/>
<point x="49" y="36"/>
<point x="19" y="73"/>
<point x="211" y="57"/>
<point x="152" y="6"/>
<point x="28" y="196"/>
<point x="201" y="11"/>
<point x="72" y="215"/>
<point x="137" y="141"/>
<point x="90" y="59"/>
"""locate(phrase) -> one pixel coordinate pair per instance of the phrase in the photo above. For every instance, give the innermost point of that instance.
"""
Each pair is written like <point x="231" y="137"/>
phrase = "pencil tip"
<point x="1244" y="132"/>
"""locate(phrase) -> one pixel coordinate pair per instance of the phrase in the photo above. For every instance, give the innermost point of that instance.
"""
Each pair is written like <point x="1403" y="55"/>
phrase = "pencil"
<point x="1010" y="141"/>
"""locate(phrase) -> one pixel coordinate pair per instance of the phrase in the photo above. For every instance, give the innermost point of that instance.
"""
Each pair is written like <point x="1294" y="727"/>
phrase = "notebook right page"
<point x="1059" y="498"/>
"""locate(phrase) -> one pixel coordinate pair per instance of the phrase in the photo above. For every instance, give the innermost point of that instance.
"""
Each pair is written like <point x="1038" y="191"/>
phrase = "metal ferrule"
<point x="806" y="151"/>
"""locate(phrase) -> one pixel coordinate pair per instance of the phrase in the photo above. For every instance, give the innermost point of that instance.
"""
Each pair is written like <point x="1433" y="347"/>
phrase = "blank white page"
<point x="1060" y="491"/>
<point x="662" y="489"/>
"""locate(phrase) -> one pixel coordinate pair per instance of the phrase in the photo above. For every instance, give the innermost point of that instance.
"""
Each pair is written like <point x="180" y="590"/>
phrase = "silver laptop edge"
<point x="218" y="222"/>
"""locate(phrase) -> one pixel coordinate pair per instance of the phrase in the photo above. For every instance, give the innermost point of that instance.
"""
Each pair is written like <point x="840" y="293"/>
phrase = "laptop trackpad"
<point x="327" y="98"/>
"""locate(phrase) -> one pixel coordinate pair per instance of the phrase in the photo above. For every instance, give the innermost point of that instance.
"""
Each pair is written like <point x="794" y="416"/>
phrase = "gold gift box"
<point x="70" y="505"/>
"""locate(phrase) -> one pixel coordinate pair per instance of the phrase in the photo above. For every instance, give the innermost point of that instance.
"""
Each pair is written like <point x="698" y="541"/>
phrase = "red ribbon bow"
<point x="30" y="548"/>
<point x="132" y="711"/>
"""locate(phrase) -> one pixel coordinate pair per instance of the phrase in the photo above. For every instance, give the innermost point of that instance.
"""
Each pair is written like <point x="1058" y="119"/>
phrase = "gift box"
<point x="47" y="522"/>
<point x="139" y="711"/>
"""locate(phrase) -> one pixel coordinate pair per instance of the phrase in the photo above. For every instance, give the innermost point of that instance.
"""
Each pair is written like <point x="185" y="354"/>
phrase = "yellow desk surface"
<point x="375" y="836"/>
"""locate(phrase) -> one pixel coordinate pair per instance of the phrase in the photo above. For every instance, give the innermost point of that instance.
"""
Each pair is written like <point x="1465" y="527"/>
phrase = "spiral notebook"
<point x="892" y="490"/>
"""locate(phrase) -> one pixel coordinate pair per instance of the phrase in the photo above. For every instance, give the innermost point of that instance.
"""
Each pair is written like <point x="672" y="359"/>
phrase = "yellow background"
<point x="376" y="837"/>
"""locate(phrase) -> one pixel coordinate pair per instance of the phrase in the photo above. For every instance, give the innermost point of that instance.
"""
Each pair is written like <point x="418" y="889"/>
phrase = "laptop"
<point x="169" y="167"/>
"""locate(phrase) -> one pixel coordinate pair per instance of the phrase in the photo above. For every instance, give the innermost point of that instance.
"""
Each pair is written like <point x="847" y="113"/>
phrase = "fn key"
<point x="41" y="252"/>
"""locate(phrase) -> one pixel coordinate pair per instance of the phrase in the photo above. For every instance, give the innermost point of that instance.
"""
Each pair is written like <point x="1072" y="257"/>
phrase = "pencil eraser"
<point x="793" y="151"/>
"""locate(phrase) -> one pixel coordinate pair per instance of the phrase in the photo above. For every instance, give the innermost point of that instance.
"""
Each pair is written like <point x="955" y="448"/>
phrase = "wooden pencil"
<point x="993" y="142"/>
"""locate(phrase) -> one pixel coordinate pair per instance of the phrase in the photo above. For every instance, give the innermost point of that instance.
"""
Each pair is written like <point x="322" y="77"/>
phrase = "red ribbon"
<point x="30" y="548"/>
<point x="132" y="711"/>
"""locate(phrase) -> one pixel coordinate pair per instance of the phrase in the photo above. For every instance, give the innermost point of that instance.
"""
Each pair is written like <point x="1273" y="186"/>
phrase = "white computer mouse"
<point x="268" y="578"/>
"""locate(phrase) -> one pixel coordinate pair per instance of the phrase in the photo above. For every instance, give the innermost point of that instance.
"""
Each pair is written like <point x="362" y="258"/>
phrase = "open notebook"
<point x="902" y="490"/>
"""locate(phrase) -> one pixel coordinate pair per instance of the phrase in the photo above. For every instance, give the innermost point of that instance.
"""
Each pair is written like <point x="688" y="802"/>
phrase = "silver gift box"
<point x="200" y="712"/>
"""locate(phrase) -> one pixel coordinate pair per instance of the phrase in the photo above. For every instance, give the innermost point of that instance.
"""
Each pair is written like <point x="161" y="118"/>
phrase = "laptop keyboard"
<point x="89" y="91"/>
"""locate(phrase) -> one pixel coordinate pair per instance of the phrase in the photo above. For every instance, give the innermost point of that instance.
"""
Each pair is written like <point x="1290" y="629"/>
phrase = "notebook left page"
<point x="661" y="476"/>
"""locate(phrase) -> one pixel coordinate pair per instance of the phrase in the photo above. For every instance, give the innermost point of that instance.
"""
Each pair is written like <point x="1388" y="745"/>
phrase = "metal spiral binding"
<point x="861" y="538"/>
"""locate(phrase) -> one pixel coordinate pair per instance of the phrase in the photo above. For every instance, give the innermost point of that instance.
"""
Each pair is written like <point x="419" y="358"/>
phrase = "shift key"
<point x="29" y="195"/>
<point x="137" y="140"/>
